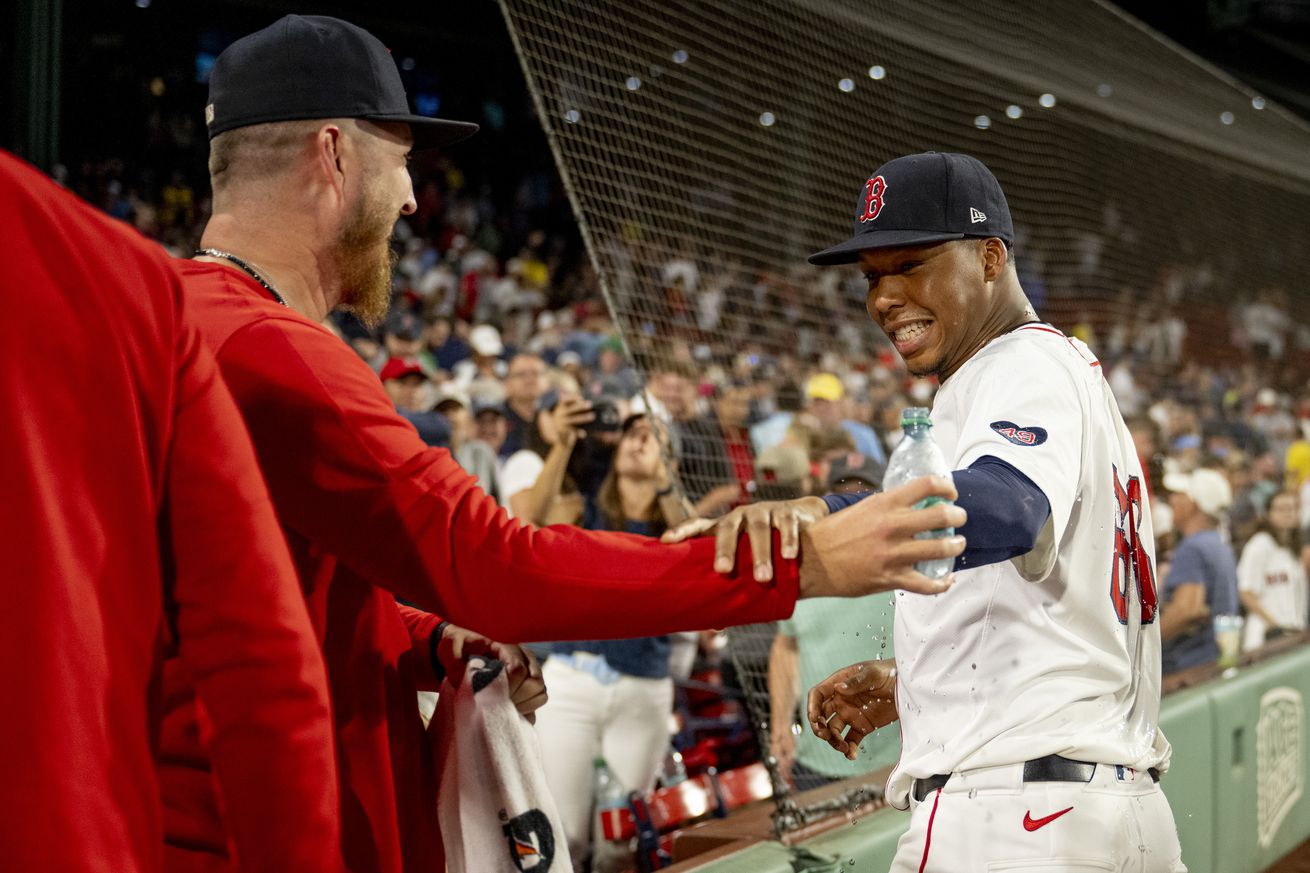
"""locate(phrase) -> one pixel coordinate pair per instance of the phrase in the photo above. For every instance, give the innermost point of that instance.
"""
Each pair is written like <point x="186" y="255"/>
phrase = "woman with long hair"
<point x="612" y="699"/>
<point x="1271" y="577"/>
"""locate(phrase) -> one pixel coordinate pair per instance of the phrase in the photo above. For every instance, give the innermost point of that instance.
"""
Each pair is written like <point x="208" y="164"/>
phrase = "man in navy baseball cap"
<point x="932" y="236"/>
<point x="926" y="198"/>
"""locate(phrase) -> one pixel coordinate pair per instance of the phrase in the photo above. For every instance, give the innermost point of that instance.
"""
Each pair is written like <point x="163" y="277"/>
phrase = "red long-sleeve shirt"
<point x="134" y="521"/>
<point x="372" y="513"/>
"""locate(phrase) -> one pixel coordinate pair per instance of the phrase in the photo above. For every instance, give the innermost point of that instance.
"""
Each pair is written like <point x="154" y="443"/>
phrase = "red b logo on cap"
<point x="873" y="191"/>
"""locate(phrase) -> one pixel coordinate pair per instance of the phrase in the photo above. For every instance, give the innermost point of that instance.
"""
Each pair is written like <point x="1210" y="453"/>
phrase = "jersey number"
<point x="1131" y="560"/>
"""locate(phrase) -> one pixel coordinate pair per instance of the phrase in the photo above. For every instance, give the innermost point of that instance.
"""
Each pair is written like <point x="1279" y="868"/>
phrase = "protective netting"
<point x="1162" y="210"/>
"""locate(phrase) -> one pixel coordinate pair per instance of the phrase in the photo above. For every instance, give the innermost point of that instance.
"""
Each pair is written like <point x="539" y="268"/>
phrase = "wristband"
<point x="433" y="642"/>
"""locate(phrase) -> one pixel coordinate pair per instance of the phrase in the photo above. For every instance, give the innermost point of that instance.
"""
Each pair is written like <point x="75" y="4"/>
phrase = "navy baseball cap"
<point x="314" y="66"/>
<point x="920" y="199"/>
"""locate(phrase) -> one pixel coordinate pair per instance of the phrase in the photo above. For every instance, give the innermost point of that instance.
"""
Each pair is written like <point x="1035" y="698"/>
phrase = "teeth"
<point x="910" y="331"/>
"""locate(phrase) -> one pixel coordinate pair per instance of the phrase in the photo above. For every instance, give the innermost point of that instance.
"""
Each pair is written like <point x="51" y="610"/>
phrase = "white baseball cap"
<point x="1208" y="489"/>
<point x="485" y="340"/>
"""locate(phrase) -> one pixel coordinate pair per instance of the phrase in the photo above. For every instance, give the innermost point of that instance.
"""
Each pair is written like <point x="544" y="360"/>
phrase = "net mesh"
<point x="707" y="148"/>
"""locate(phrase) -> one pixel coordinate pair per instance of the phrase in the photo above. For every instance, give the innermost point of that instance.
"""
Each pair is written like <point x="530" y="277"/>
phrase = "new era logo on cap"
<point x="924" y="199"/>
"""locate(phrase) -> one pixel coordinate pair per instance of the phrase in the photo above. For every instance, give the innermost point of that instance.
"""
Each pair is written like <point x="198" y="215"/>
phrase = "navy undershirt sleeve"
<point x="1006" y="511"/>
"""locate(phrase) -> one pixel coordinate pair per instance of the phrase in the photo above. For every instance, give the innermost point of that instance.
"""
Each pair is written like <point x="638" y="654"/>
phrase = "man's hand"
<point x="782" y="746"/>
<point x="526" y="687"/>
<point x="870" y="547"/>
<point x="861" y="697"/>
<point x="789" y="517"/>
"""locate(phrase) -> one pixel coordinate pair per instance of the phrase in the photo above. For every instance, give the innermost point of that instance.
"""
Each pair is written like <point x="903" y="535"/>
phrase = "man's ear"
<point x="328" y="147"/>
<point x="995" y="257"/>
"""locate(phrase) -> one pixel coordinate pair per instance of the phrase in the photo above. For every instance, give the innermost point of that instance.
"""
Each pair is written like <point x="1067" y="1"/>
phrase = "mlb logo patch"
<point x="1027" y="435"/>
<point x="1125" y="774"/>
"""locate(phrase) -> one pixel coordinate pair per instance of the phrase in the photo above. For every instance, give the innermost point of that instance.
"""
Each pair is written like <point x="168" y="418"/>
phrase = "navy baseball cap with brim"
<point x="922" y="199"/>
<point x="312" y="66"/>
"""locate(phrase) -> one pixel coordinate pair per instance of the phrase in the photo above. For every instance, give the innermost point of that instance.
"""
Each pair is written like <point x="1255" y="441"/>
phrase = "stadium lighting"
<point x="1046" y="100"/>
<point x="1014" y="110"/>
<point x="633" y="83"/>
<point x="982" y="122"/>
<point x="1257" y="103"/>
<point x="1227" y="117"/>
<point x="680" y="57"/>
<point x="767" y="119"/>
<point x="1104" y="90"/>
<point x="877" y="72"/>
<point x="847" y="85"/>
<point x="573" y="116"/>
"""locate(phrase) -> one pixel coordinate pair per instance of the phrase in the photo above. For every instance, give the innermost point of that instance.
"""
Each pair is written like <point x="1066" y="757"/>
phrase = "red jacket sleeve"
<point x="244" y="633"/>
<point x="421" y="625"/>
<point x="351" y="475"/>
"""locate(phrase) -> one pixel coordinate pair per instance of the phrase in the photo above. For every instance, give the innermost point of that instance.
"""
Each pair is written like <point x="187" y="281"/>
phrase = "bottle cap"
<point x="915" y="415"/>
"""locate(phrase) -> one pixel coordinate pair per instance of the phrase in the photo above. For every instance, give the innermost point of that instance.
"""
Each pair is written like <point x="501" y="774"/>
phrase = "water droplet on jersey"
<point x="973" y="666"/>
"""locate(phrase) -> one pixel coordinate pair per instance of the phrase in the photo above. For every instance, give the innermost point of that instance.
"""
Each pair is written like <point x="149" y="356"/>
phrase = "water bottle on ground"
<point x="607" y="789"/>
<point x="673" y="771"/>
<point x="917" y="455"/>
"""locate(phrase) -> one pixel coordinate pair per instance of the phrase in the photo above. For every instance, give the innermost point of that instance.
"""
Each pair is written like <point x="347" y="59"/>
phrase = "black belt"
<point x="1052" y="768"/>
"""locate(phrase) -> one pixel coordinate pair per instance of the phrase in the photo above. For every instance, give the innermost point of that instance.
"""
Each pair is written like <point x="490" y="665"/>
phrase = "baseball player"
<point x="1028" y="694"/>
<point x="135" y="525"/>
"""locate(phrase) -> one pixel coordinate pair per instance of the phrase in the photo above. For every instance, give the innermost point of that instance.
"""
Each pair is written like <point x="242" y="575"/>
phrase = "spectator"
<point x="612" y="699"/>
<point x="402" y="333"/>
<point x="771" y="430"/>
<point x="613" y="376"/>
<point x="446" y="345"/>
<point x="782" y="472"/>
<point x="406" y="384"/>
<point x="811" y="645"/>
<point x="854" y="473"/>
<point x="535" y="483"/>
<point x="1202" y="580"/>
<point x="482" y="373"/>
<point x="826" y="394"/>
<point x="476" y="456"/>
<point x="525" y="382"/>
<point x="1271" y="575"/>
<point x="490" y="425"/>
<point x="716" y="454"/>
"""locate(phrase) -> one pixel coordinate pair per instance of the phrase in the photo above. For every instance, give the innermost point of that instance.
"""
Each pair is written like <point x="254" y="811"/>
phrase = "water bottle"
<point x="674" y="771"/>
<point x="917" y="455"/>
<point x="606" y="788"/>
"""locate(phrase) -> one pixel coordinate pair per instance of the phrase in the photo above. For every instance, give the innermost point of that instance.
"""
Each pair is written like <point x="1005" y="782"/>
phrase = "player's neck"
<point x="291" y="267"/>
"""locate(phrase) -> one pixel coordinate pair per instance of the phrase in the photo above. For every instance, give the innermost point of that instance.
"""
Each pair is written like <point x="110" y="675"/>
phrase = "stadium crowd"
<point x="738" y="386"/>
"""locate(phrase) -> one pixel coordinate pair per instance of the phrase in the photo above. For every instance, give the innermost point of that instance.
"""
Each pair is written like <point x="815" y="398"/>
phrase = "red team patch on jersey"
<point x="1028" y="435"/>
<point x="874" y="191"/>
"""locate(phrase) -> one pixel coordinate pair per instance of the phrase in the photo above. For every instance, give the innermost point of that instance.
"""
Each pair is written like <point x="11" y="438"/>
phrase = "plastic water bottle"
<point x="674" y="771"/>
<point x="917" y="455"/>
<point x="606" y="787"/>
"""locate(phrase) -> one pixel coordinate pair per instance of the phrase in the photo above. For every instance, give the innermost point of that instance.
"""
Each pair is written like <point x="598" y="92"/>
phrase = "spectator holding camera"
<point x="611" y="698"/>
<point x="1271" y="579"/>
<point x="535" y="483"/>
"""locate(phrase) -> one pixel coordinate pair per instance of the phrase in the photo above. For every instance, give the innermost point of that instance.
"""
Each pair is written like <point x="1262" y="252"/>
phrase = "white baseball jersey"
<point x="1057" y="651"/>
<point x="1275" y="576"/>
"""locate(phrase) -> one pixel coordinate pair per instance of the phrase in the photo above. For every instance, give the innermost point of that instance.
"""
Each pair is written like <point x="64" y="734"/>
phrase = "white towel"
<point x="495" y="810"/>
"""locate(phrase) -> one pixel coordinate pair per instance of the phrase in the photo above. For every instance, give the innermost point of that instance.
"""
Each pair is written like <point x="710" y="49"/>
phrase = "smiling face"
<point x="383" y="192"/>
<point x="941" y="303"/>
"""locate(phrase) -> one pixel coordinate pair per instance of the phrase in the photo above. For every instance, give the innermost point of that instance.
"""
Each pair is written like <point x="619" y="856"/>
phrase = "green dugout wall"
<point x="1236" y="783"/>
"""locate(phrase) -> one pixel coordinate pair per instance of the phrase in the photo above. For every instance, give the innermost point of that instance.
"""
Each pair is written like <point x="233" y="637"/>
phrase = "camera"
<point x="607" y="418"/>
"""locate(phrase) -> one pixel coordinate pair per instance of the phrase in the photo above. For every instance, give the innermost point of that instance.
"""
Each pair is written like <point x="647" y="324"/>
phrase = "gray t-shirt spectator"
<point x="1206" y="559"/>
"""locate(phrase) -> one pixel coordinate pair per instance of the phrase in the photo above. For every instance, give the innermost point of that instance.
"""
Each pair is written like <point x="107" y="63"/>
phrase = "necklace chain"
<point x="245" y="268"/>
